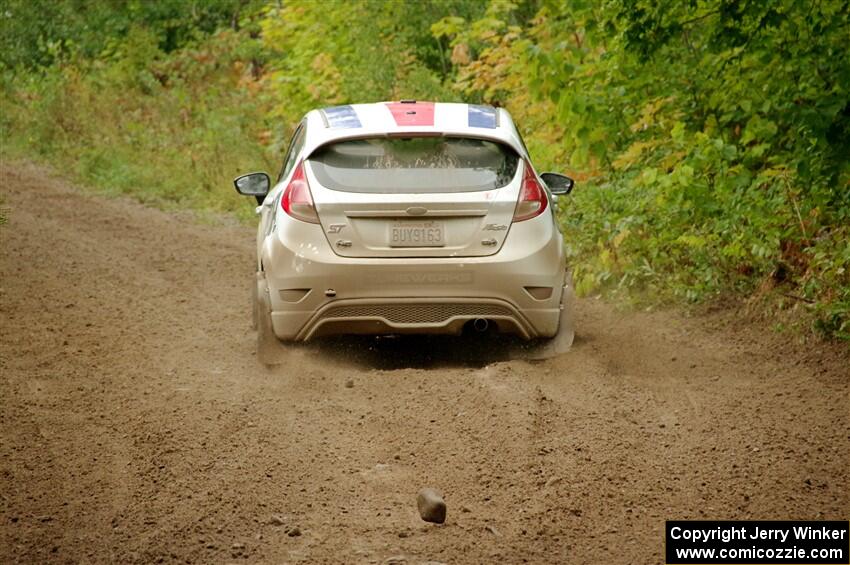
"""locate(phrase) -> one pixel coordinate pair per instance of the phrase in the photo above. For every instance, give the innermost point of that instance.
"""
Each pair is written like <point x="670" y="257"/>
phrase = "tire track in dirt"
<point x="137" y="425"/>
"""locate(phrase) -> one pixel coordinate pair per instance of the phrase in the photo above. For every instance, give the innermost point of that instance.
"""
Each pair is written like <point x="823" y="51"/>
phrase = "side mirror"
<point x="558" y="183"/>
<point x="253" y="184"/>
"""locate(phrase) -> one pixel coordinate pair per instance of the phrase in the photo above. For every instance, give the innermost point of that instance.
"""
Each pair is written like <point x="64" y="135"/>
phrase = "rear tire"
<point x="255" y="311"/>
<point x="270" y="350"/>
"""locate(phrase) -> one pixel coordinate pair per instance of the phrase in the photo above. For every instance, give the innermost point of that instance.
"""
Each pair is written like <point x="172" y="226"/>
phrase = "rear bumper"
<point x="411" y="315"/>
<point x="315" y="292"/>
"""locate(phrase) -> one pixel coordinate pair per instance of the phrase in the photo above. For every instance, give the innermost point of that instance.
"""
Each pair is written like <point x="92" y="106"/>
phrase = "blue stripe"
<point x="342" y="117"/>
<point x="482" y="116"/>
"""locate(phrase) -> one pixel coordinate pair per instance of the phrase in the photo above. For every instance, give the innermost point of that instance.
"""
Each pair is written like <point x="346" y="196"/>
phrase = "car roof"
<point x="353" y="121"/>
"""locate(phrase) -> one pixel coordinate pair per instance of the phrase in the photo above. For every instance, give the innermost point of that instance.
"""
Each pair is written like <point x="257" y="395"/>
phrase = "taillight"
<point x="297" y="200"/>
<point x="532" y="196"/>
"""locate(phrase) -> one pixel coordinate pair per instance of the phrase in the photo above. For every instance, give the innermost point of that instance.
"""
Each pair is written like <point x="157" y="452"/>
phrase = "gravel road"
<point x="137" y="426"/>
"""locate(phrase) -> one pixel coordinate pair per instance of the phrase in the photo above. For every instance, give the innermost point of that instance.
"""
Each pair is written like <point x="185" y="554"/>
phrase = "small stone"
<point x="553" y="481"/>
<point x="432" y="507"/>
<point x="45" y="518"/>
<point x="349" y="383"/>
<point x="492" y="530"/>
<point x="403" y="534"/>
<point x="294" y="532"/>
<point x="238" y="545"/>
<point x="396" y="559"/>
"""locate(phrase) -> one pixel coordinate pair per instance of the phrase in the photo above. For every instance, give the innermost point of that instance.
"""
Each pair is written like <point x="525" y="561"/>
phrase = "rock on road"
<point x="136" y="425"/>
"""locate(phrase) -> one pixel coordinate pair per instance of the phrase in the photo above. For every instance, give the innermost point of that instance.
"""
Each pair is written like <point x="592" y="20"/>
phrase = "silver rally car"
<point x="409" y="217"/>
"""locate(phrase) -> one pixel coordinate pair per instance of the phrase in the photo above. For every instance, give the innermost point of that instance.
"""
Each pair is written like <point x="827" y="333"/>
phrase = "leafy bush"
<point x="713" y="137"/>
<point x="168" y="129"/>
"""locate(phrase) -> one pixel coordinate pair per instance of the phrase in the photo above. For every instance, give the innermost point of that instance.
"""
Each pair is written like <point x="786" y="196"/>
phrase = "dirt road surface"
<point x="138" y="427"/>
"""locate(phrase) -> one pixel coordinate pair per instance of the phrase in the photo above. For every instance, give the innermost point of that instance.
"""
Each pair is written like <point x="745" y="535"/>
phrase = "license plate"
<point x="417" y="234"/>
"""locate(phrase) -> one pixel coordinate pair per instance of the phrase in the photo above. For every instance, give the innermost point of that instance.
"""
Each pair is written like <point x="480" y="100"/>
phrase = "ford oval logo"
<point x="416" y="211"/>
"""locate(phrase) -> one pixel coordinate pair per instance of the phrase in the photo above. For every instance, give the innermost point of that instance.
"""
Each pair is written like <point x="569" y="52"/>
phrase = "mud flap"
<point x="562" y="341"/>
<point x="270" y="350"/>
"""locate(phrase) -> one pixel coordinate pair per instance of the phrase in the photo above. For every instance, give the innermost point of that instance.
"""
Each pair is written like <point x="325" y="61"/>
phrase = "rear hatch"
<point x="415" y="196"/>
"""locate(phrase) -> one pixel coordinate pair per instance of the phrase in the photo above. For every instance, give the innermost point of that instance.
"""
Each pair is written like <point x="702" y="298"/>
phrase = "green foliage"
<point x="170" y="129"/>
<point x="40" y="32"/>
<point x="713" y="136"/>
<point x="336" y="51"/>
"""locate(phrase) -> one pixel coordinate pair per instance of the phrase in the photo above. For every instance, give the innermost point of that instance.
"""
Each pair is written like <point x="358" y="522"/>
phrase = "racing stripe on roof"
<point x="341" y="117"/>
<point x="483" y="117"/>
<point x="412" y="114"/>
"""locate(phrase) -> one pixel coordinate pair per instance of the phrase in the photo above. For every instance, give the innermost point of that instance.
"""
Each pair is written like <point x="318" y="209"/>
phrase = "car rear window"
<point x="414" y="165"/>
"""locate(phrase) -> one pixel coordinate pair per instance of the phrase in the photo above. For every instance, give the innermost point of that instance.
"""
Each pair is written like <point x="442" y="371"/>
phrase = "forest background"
<point x="710" y="138"/>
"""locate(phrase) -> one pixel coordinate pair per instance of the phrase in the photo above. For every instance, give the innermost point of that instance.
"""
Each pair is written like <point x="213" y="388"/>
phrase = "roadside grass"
<point x="172" y="133"/>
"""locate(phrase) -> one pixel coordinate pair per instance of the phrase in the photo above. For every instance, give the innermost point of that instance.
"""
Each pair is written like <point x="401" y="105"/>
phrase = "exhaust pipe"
<point x="480" y="325"/>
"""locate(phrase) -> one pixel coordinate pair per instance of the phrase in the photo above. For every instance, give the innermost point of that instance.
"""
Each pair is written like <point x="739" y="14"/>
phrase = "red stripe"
<point x="415" y="114"/>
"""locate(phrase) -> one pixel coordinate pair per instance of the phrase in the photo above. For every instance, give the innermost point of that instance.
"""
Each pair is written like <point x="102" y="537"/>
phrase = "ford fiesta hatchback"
<point x="408" y="217"/>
